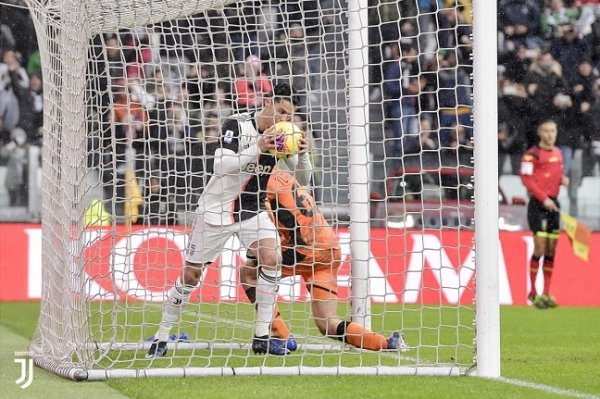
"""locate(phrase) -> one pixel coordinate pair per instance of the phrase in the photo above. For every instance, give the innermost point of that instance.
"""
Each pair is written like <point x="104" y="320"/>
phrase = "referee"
<point x="542" y="174"/>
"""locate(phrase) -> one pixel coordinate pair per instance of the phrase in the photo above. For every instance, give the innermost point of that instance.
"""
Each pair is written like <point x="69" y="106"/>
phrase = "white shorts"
<point x="207" y="241"/>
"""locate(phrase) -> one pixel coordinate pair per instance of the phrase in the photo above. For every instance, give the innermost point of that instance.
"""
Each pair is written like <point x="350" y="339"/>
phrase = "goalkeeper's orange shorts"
<point x="319" y="272"/>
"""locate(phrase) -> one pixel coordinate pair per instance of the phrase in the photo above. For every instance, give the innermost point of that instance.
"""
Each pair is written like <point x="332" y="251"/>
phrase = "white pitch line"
<point x="548" y="388"/>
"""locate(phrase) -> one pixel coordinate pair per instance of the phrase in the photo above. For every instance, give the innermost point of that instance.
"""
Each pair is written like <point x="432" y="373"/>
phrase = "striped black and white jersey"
<point x="236" y="191"/>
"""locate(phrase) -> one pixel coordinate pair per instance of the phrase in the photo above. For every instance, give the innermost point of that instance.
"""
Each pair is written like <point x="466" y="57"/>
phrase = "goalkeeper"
<point x="310" y="249"/>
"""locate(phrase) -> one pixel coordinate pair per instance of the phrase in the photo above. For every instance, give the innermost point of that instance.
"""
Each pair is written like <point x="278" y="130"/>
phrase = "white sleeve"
<point x="301" y="167"/>
<point x="228" y="162"/>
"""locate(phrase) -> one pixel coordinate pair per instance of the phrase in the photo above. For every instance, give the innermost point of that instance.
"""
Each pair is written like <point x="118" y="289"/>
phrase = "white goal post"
<point x="134" y="91"/>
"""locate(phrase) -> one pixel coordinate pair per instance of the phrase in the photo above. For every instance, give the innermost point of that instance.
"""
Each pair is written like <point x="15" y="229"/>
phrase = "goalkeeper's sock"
<point x="356" y="335"/>
<point x="179" y="296"/>
<point x="534" y="265"/>
<point x="267" y="285"/>
<point x="547" y="268"/>
<point x="278" y="327"/>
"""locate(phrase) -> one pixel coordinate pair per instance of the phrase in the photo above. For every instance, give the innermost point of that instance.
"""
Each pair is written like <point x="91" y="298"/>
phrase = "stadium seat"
<point x="589" y="196"/>
<point x="512" y="187"/>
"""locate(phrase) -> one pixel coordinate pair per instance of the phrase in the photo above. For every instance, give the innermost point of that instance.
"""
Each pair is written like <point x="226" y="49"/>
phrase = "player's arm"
<point x="228" y="159"/>
<point x="528" y="165"/>
<point x="300" y="164"/>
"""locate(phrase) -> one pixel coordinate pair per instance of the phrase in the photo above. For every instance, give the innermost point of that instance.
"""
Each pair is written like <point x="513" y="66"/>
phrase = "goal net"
<point x="136" y="93"/>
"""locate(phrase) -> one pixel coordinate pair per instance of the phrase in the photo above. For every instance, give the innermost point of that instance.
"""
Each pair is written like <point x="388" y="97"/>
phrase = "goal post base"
<point x="133" y="346"/>
<point x="100" y="375"/>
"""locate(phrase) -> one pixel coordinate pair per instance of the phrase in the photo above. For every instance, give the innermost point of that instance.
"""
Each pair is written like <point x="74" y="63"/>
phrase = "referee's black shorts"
<point x="542" y="222"/>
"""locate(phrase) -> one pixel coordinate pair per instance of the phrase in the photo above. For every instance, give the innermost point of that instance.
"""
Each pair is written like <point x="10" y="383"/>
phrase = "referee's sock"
<point x="534" y="265"/>
<point x="548" y="268"/>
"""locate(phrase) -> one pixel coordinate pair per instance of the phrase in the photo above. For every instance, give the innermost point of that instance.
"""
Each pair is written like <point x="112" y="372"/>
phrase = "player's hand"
<point x="550" y="205"/>
<point x="303" y="145"/>
<point x="565" y="181"/>
<point x="266" y="141"/>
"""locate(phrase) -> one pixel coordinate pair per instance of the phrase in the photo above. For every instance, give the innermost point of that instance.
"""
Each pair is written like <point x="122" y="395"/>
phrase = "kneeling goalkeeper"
<point x="310" y="249"/>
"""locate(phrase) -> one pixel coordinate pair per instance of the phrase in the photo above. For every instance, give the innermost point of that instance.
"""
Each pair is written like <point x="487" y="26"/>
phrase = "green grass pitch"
<point x="552" y="353"/>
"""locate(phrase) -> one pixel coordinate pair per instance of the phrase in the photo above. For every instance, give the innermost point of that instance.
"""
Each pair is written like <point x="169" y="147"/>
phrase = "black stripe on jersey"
<point x="252" y="199"/>
<point x="309" y="287"/>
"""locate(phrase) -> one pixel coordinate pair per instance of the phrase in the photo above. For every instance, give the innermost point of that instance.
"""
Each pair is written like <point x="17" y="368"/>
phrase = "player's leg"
<point x="248" y="275"/>
<point x="322" y="283"/>
<point x="198" y="254"/>
<point x="260" y="236"/>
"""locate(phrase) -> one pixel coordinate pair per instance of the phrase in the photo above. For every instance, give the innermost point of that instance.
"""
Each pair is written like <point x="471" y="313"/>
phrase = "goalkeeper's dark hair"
<point x="284" y="91"/>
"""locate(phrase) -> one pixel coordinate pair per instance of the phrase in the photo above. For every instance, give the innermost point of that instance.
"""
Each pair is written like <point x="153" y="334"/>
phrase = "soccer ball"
<point x="287" y="140"/>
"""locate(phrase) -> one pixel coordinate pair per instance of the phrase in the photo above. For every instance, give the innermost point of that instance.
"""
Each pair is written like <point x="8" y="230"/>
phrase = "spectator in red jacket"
<point x="253" y="86"/>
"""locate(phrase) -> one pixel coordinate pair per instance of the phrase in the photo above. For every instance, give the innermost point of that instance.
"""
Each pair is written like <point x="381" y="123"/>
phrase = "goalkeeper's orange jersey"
<point x="303" y="230"/>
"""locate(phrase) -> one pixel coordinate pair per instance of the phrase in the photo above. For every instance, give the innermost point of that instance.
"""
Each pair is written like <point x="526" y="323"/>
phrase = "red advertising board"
<point x="404" y="267"/>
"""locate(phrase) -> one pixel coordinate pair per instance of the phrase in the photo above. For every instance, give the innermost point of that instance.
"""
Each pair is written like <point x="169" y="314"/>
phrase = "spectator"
<point x="513" y="123"/>
<point x="16" y="152"/>
<point x="116" y="57"/>
<point x="569" y="49"/>
<point x="591" y="127"/>
<point x="131" y="123"/>
<point x="587" y="16"/>
<point x="556" y="18"/>
<point x="292" y="56"/>
<point x="543" y="83"/>
<point x="252" y="85"/>
<point x="401" y="87"/>
<point x="454" y="97"/>
<point x="428" y="26"/>
<point x="7" y="39"/>
<point x="12" y="79"/>
<point x="157" y="210"/>
<point x="34" y="64"/>
<point x="518" y="20"/>
<point x="31" y="108"/>
<point x="454" y="32"/>
<point x="221" y="105"/>
<point x="421" y="148"/>
<point x="12" y="66"/>
<point x="582" y="86"/>
<point x="19" y="21"/>
<point x="594" y="38"/>
<point x="517" y="64"/>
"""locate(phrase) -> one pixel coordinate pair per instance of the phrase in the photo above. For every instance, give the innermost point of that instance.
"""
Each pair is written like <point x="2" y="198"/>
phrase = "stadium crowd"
<point x="163" y="90"/>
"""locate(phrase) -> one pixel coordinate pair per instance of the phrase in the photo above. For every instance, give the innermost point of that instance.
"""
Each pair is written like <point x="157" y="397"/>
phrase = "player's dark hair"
<point x="283" y="91"/>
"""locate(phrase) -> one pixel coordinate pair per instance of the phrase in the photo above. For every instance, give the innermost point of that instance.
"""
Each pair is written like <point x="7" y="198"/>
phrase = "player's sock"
<point x="179" y="296"/>
<point x="534" y="265"/>
<point x="356" y="335"/>
<point x="547" y="268"/>
<point x="278" y="326"/>
<point x="267" y="285"/>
